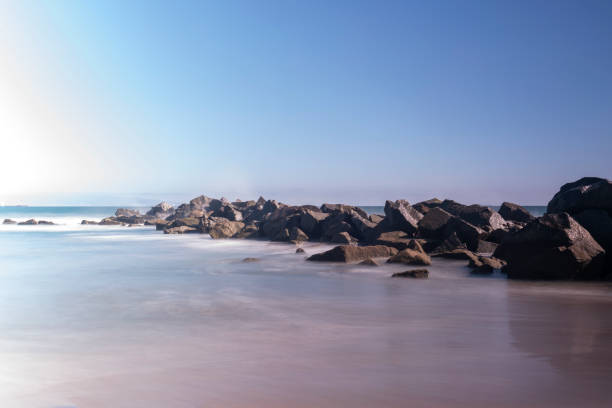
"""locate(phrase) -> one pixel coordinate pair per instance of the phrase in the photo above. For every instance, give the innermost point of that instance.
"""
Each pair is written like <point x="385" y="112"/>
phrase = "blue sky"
<point x="481" y="101"/>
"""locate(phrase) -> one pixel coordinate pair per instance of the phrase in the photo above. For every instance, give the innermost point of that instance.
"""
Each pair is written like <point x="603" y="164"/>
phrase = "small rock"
<point x="250" y="260"/>
<point x="369" y="262"/>
<point x="300" y="251"/>
<point x="415" y="274"/>
<point x="9" y="221"/>
<point x="29" y="222"/>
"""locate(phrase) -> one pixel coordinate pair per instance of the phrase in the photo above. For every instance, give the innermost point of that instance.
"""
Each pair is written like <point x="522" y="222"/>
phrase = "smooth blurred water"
<point x="94" y="316"/>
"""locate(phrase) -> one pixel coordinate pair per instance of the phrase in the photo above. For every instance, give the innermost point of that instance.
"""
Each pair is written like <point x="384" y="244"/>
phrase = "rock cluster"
<point x="570" y="242"/>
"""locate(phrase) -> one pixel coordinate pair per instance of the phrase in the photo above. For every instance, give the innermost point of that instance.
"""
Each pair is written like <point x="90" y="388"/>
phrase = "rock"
<point x="424" y="206"/>
<point x="344" y="209"/>
<point x="410" y="257"/>
<point x="343" y="238"/>
<point x="464" y="231"/>
<point x="180" y="230"/>
<point x="126" y="212"/>
<point x="400" y="216"/>
<point x="283" y="235"/>
<point x="297" y="235"/>
<point x="161" y="225"/>
<point x="249" y="231"/>
<point x="414" y="273"/>
<point x="395" y="239"/>
<point x="368" y="262"/>
<point x="514" y="212"/>
<point x="433" y="223"/>
<point x="310" y="222"/>
<point x="351" y="253"/>
<point x="43" y="222"/>
<point x="376" y="218"/>
<point x="458" y="254"/>
<point x="160" y="211"/>
<point x="187" y="222"/>
<point x="486" y="247"/>
<point x="335" y="224"/>
<point x="250" y="260"/>
<point x="155" y="221"/>
<point x="130" y="219"/>
<point x="300" y="251"/>
<point x="9" y="221"/>
<point x="588" y="193"/>
<point x="599" y="225"/>
<point x="450" y="243"/>
<point x="365" y="229"/>
<point x="232" y="214"/>
<point x="29" y="222"/>
<point x="485" y="265"/>
<point x="554" y="246"/>
<point x="110" y="221"/>
<point x="482" y="217"/>
<point x="220" y="228"/>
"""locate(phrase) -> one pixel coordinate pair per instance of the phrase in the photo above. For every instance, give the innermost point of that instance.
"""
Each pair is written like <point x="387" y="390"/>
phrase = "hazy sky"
<point x="481" y="101"/>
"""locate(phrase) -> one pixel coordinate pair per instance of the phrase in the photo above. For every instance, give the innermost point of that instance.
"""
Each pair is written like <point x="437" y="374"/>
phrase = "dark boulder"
<point x="310" y="222"/>
<point x="395" y="239"/>
<point x="29" y="222"/>
<point x="514" y="212"/>
<point x="9" y="221"/>
<point x="433" y="224"/>
<point x="485" y="265"/>
<point x="343" y="238"/>
<point x="554" y="246"/>
<point x="424" y="206"/>
<point x="351" y="253"/>
<point x="297" y="235"/>
<point x="365" y="229"/>
<point x="249" y="231"/>
<point x="344" y="209"/>
<point x="482" y="217"/>
<point x="400" y="216"/>
<point x="376" y="218"/>
<point x="87" y="222"/>
<point x="466" y="233"/>
<point x="300" y="251"/>
<point x="588" y="193"/>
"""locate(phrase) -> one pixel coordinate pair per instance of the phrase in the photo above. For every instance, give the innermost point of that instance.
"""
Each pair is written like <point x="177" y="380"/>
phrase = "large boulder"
<point x="480" y="216"/>
<point x="351" y="253"/>
<point x="343" y="208"/>
<point x="365" y="229"/>
<point x="310" y="222"/>
<point x="554" y="246"/>
<point x="160" y="211"/>
<point x="424" y="206"/>
<point x="126" y="212"/>
<point x="466" y="233"/>
<point x="410" y="257"/>
<point x="432" y="225"/>
<point x="588" y="193"/>
<point x="400" y="216"/>
<point x="514" y="212"/>
<point x="219" y="228"/>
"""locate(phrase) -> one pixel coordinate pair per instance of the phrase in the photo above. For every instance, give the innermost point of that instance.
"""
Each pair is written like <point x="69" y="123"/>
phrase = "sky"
<point x="303" y="101"/>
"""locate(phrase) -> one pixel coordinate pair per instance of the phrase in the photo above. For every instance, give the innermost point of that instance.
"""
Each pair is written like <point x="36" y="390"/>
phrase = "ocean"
<point x="106" y="316"/>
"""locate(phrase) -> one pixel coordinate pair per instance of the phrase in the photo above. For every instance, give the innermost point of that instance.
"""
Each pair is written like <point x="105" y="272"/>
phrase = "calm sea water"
<point x="94" y="316"/>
